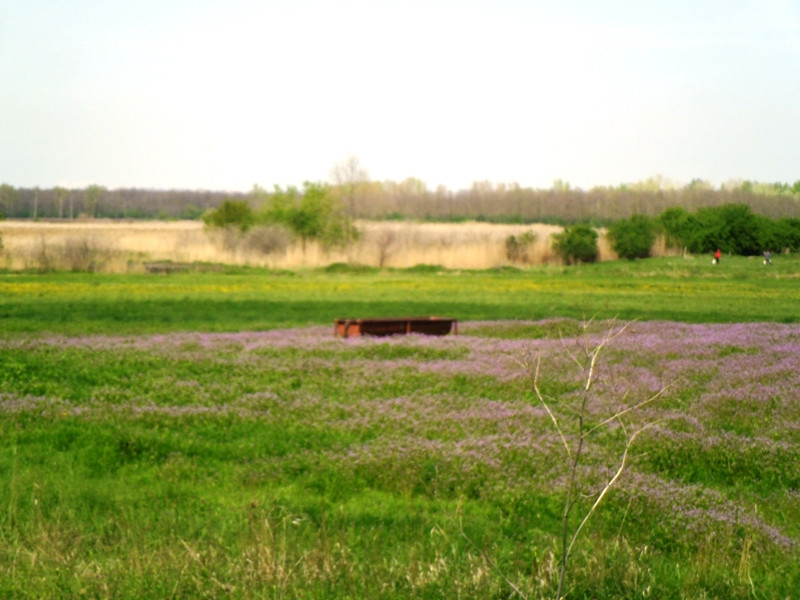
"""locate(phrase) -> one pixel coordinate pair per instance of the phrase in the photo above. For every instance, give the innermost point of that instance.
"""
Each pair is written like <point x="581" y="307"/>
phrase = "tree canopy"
<point x="312" y="213"/>
<point x="632" y="238"/>
<point x="231" y="213"/>
<point x="576" y="244"/>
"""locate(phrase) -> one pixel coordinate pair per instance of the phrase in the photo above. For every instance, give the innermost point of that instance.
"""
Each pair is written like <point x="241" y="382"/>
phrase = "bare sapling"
<point x="575" y="423"/>
<point x="576" y="420"/>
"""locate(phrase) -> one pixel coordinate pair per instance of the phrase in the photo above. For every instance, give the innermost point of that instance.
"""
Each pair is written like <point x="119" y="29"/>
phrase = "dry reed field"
<point x="130" y="246"/>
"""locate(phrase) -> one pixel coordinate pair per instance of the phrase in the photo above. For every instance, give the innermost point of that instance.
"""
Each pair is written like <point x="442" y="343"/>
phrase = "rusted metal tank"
<point x="395" y="326"/>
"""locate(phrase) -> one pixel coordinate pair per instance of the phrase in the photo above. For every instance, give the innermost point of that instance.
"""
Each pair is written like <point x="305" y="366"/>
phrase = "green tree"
<point x="632" y="238"/>
<point x="308" y="217"/>
<point x="679" y="226"/>
<point x="733" y="228"/>
<point x="779" y="235"/>
<point x="8" y="200"/>
<point x="314" y="214"/>
<point x="231" y="213"/>
<point x="576" y="244"/>
<point x="191" y="212"/>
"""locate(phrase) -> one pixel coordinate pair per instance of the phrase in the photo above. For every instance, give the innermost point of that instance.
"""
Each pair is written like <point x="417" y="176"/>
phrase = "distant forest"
<point x="412" y="200"/>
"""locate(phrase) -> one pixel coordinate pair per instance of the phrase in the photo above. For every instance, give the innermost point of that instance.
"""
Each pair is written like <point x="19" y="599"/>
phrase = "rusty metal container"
<point x="395" y="326"/>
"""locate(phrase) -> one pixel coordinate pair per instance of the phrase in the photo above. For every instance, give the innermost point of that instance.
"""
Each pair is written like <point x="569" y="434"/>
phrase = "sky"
<point x="222" y="95"/>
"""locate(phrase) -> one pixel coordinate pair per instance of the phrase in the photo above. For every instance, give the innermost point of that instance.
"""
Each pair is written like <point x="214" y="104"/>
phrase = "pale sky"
<point x="223" y="94"/>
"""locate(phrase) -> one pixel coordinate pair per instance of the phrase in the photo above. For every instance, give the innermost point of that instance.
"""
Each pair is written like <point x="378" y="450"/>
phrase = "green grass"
<point x="688" y="290"/>
<point x="150" y="463"/>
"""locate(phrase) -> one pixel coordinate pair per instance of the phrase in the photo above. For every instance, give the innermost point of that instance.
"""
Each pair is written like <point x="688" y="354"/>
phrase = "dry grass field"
<point x="130" y="246"/>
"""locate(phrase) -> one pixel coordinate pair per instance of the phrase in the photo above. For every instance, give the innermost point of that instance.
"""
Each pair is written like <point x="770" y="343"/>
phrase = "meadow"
<point x="229" y="298"/>
<point x="202" y="434"/>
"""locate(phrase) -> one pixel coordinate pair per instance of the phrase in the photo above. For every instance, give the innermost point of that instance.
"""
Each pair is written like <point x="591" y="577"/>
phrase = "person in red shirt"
<point x="717" y="256"/>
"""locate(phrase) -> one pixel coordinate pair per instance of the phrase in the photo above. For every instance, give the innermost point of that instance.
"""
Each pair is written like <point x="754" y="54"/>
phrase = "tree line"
<point x="730" y="228"/>
<point x="96" y="201"/>
<point x="411" y="199"/>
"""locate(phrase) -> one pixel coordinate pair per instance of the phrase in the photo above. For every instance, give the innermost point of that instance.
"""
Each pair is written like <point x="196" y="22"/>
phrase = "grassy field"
<point x="231" y="299"/>
<point x="203" y="434"/>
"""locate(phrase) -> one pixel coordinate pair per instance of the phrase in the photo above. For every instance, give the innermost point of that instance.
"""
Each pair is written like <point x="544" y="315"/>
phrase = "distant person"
<point x="717" y="256"/>
<point x="767" y="257"/>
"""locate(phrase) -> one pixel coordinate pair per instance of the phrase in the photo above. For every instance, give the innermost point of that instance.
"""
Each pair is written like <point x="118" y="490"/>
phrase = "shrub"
<point x="679" y="226"/>
<point x="733" y="228"/>
<point x="632" y="238"/>
<point x="231" y="213"/>
<point x="779" y="235"/>
<point x="576" y="244"/>
<point x="267" y="239"/>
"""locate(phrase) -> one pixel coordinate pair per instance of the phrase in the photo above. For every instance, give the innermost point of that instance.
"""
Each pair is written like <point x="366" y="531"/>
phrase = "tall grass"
<point x="121" y="247"/>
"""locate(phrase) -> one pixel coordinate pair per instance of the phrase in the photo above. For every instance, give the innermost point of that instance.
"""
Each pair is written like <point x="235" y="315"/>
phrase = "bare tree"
<point x="347" y="174"/>
<point x="386" y="243"/>
<point x="579" y="413"/>
<point x="92" y="198"/>
<point x="60" y="194"/>
<point x="576" y="419"/>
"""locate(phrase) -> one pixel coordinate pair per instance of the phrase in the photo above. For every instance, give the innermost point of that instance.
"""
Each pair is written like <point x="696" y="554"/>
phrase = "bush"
<point x="733" y="228"/>
<point x="576" y="244"/>
<point x="632" y="238"/>
<point x="678" y="225"/>
<point x="779" y="235"/>
<point x="268" y="239"/>
<point x="231" y="213"/>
